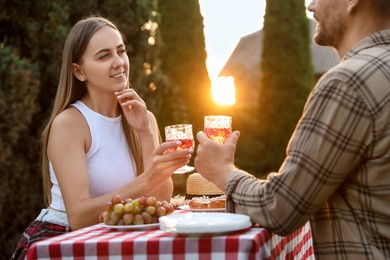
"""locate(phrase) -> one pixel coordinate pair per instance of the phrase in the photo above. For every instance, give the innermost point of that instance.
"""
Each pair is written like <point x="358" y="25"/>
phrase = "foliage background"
<point x="286" y="78"/>
<point x="166" y="47"/>
<point x="183" y="47"/>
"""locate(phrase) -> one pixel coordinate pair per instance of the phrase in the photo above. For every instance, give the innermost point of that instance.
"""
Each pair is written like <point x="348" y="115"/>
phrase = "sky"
<point x="225" y="22"/>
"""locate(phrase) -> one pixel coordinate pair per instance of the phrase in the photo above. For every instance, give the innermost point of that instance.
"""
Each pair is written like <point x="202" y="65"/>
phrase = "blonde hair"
<point x="70" y="89"/>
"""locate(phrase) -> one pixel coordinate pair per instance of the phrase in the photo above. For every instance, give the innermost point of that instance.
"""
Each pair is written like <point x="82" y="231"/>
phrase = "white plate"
<point x="186" y="207"/>
<point x="203" y="223"/>
<point x="134" y="227"/>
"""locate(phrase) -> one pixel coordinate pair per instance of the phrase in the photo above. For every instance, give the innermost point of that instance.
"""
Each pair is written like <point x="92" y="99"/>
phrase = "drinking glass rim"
<point x="217" y="116"/>
<point x="178" y="126"/>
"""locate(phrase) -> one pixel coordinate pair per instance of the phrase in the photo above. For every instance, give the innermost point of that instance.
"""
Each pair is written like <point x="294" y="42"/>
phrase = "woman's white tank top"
<point x="109" y="160"/>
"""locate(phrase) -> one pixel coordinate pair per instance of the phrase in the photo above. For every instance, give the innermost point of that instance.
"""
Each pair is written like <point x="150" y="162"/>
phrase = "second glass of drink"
<point x="218" y="128"/>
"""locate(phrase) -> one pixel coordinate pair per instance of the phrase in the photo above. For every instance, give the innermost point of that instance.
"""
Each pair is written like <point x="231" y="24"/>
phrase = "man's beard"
<point x="330" y="34"/>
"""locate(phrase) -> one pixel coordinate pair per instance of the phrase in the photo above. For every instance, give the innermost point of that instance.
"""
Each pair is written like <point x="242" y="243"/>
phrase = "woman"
<point x="100" y="140"/>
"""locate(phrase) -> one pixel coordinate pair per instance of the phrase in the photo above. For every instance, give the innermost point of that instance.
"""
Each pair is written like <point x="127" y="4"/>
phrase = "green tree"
<point x="183" y="61"/>
<point x="31" y="40"/>
<point x="286" y="78"/>
<point x="18" y="188"/>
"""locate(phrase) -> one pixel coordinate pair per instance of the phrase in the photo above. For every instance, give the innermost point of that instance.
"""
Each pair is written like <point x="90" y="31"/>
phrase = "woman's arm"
<point x="144" y="122"/>
<point x="68" y="144"/>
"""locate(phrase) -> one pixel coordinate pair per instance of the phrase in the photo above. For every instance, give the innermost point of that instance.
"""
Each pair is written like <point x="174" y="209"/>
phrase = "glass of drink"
<point x="183" y="133"/>
<point x="218" y="128"/>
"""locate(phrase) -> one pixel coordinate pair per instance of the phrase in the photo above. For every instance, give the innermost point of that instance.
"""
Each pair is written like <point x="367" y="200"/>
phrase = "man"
<point x="337" y="170"/>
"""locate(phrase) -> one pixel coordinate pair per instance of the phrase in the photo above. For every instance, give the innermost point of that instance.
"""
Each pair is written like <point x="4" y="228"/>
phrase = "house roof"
<point x="247" y="54"/>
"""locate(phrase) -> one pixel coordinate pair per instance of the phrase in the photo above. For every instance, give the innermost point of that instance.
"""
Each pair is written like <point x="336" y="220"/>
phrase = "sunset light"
<point x="223" y="91"/>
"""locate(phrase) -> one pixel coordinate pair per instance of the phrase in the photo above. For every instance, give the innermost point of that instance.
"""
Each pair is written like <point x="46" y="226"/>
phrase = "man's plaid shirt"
<point x="337" y="170"/>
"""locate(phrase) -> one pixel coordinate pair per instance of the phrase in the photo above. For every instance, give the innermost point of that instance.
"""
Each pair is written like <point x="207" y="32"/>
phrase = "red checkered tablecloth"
<point x="100" y="242"/>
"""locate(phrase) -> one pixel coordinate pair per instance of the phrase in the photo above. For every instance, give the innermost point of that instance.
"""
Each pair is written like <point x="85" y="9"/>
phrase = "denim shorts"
<point x="53" y="216"/>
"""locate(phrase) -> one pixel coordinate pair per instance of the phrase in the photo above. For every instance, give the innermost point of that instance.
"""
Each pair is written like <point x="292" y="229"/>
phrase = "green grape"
<point x="135" y="202"/>
<point x="106" y="216"/>
<point x="128" y="207"/>
<point x="115" y="217"/>
<point x="150" y="209"/>
<point x="128" y="200"/>
<point x="136" y="210"/>
<point x="110" y="222"/>
<point x="119" y="208"/>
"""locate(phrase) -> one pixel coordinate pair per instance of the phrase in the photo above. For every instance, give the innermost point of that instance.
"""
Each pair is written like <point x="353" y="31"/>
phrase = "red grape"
<point x="138" y="219"/>
<point x="108" y="206"/>
<point x="127" y="218"/>
<point x="151" y="201"/>
<point x="116" y="199"/>
<point x="160" y="211"/>
<point x="142" y="201"/>
<point x="147" y="217"/>
<point x="168" y="207"/>
<point x="101" y="217"/>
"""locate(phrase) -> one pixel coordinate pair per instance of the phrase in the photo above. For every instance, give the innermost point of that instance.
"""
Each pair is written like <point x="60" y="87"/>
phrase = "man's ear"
<point x="352" y="4"/>
<point x="78" y="72"/>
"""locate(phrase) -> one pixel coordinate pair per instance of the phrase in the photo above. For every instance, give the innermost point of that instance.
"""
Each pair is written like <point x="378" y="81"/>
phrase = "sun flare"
<point x="223" y="91"/>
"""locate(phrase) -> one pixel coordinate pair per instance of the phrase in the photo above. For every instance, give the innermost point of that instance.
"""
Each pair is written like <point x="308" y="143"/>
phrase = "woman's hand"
<point x="134" y="109"/>
<point x="163" y="163"/>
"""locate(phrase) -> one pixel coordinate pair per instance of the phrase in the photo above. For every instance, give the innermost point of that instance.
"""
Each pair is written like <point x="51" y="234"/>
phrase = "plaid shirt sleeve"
<point x="336" y="172"/>
<point x="324" y="149"/>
